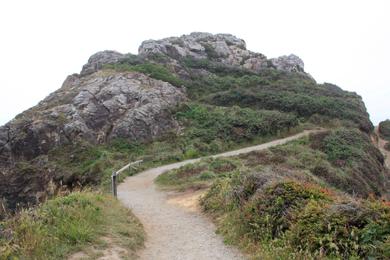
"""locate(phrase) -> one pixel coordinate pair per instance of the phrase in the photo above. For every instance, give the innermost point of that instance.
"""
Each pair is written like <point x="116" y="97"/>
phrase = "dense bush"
<point x="274" y="90"/>
<point x="302" y="220"/>
<point x="345" y="144"/>
<point x="360" y="160"/>
<point x="232" y="124"/>
<point x="384" y="129"/>
<point x="268" y="212"/>
<point x="305" y="103"/>
<point x="345" y="229"/>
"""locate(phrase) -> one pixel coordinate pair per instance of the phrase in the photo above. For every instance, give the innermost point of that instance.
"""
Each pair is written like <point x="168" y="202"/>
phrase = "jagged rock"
<point x="96" y="61"/>
<point x="224" y="48"/>
<point x="290" y="63"/>
<point x="94" y="108"/>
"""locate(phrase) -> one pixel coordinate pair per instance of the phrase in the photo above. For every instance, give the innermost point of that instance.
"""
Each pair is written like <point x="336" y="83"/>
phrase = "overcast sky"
<point x="343" y="42"/>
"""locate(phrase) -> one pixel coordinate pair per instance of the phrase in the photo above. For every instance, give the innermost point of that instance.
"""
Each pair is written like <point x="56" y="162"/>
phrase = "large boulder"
<point x="290" y="63"/>
<point x="99" y="59"/>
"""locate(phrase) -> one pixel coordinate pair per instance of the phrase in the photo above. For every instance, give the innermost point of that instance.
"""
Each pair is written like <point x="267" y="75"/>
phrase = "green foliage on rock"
<point x="153" y="70"/>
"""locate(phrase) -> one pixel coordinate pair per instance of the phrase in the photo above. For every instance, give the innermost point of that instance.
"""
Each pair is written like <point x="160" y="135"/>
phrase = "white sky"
<point x="343" y="42"/>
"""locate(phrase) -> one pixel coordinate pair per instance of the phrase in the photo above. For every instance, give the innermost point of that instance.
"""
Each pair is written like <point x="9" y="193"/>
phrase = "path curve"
<point x="172" y="231"/>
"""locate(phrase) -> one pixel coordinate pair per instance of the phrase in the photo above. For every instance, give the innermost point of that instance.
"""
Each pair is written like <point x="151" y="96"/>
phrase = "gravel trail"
<point x="172" y="231"/>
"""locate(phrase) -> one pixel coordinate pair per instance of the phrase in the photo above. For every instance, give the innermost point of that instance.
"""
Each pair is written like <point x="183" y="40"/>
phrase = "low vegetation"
<point x="69" y="224"/>
<point x="384" y="129"/>
<point x="343" y="159"/>
<point x="151" y="69"/>
<point x="222" y="126"/>
<point x="270" y="89"/>
<point x="207" y="130"/>
<point x="273" y="90"/>
<point x="292" y="201"/>
<point x="197" y="176"/>
<point x="291" y="220"/>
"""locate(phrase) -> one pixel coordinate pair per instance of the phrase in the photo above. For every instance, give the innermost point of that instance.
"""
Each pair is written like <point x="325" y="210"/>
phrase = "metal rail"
<point x="114" y="174"/>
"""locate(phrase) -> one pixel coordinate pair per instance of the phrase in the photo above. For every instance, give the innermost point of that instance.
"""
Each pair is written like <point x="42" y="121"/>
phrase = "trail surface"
<point x="174" y="231"/>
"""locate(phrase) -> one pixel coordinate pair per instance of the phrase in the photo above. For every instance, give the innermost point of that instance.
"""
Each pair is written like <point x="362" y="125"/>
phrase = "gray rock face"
<point x="290" y="63"/>
<point x="224" y="48"/>
<point x="96" y="61"/>
<point x="96" y="108"/>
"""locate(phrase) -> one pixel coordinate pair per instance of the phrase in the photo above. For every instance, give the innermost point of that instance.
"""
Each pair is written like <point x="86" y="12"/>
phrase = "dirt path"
<point x="175" y="231"/>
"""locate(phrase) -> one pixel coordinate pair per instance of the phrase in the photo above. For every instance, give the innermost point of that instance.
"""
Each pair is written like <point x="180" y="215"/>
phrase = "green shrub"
<point x="361" y="161"/>
<point x="218" y="68"/>
<point x="384" y="129"/>
<point x="346" y="229"/>
<point x="232" y="124"/>
<point x="288" y="92"/>
<point x="267" y="214"/>
<point x="344" y="144"/>
<point x="292" y="219"/>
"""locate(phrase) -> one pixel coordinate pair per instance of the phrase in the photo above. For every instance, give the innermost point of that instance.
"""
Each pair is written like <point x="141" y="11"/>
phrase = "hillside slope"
<point x="180" y="97"/>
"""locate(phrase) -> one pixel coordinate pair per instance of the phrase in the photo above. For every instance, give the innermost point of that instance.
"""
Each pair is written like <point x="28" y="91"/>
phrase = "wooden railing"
<point x="115" y="174"/>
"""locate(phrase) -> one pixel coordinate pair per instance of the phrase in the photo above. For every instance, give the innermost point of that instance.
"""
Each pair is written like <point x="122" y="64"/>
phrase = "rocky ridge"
<point x="224" y="48"/>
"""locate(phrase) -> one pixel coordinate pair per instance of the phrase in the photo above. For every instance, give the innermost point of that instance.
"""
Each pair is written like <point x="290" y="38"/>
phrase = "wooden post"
<point x="115" y="174"/>
<point x="114" y="192"/>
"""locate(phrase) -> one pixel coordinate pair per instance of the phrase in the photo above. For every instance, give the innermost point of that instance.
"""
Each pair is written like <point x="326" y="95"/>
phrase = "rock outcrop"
<point x="95" y="108"/>
<point x="224" y="48"/>
<point x="96" y="61"/>
<point x="290" y="63"/>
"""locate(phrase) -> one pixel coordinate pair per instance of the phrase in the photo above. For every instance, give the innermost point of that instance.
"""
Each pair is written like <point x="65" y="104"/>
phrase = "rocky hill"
<point x="180" y="97"/>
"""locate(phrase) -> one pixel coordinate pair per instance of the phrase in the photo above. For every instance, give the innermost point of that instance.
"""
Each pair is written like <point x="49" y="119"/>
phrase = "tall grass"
<point x="68" y="224"/>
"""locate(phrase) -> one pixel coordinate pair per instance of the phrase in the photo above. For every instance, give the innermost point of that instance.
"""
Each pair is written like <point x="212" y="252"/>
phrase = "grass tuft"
<point x="68" y="224"/>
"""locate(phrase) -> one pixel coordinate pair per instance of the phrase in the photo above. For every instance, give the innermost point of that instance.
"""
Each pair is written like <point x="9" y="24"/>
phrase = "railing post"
<point x="115" y="174"/>
<point x="114" y="192"/>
